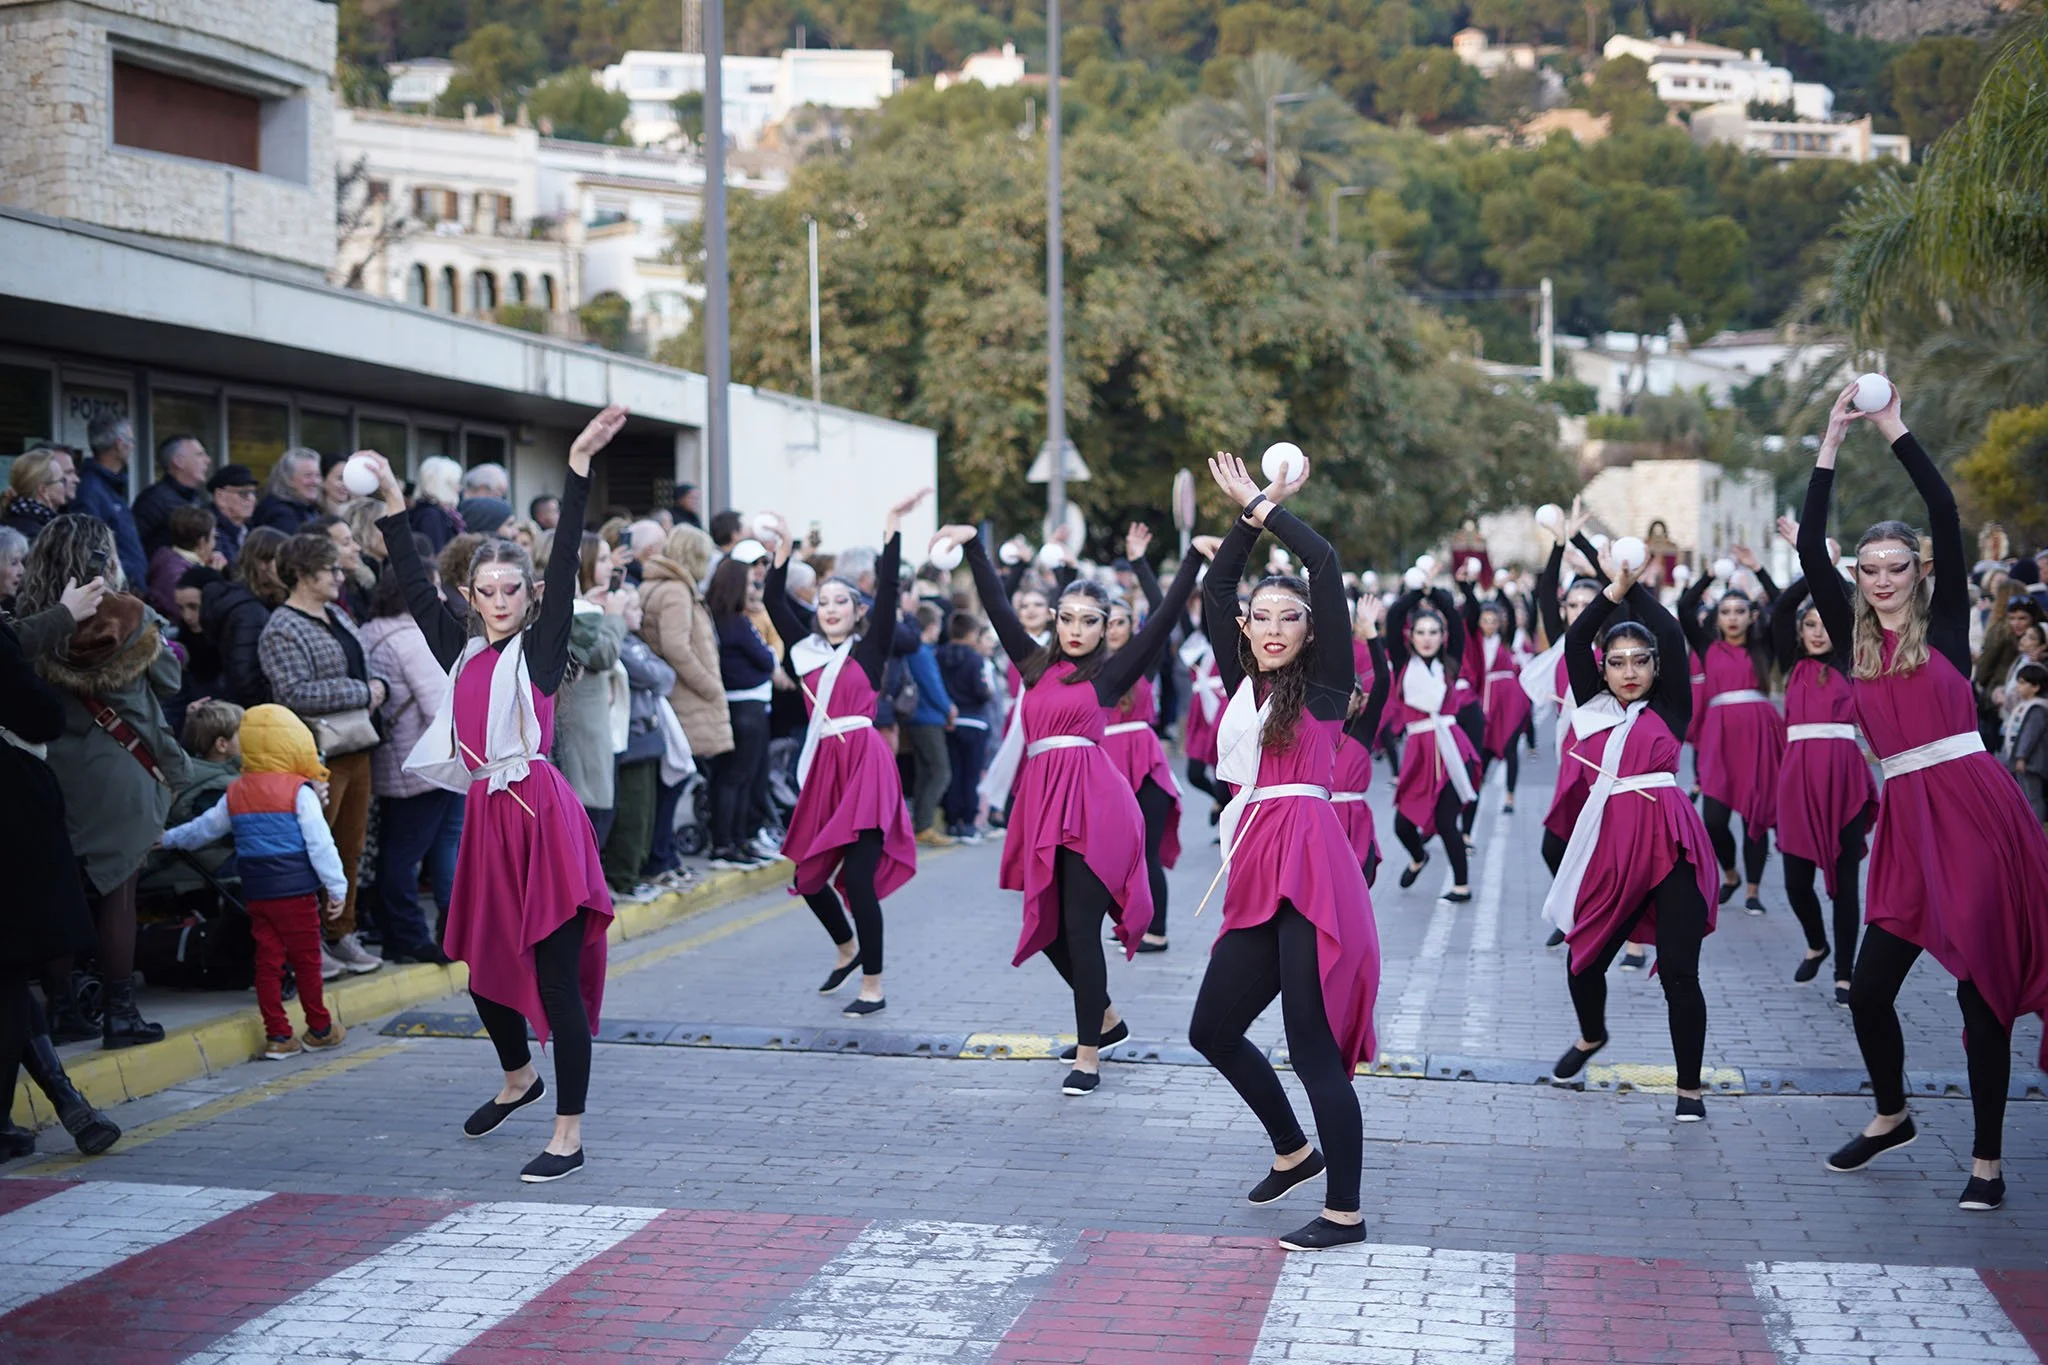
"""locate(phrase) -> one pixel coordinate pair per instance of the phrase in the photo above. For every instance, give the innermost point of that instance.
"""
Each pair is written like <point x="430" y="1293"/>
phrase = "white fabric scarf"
<point x="810" y="654"/>
<point x="512" y="729"/>
<point x="1539" y="684"/>
<point x="1423" y="689"/>
<point x="1240" y="750"/>
<point x="1604" y="712"/>
<point x="1002" y="769"/>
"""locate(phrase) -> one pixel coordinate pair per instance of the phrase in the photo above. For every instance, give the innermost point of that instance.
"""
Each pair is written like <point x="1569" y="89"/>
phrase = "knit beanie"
<point x="483" y="515"/>
<point x="274" y="740"/>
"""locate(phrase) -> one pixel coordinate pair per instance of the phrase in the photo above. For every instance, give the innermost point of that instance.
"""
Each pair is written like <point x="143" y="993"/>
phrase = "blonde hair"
<point x="1911" y="653"/>
<point x="691" y="550"/>
<point x="29" y="476"/>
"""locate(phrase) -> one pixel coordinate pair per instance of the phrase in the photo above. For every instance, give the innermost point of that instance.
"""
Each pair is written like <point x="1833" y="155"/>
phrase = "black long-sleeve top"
<point x="1121" y="670"/>
<point x="1671" y="695"/>
<point x="793" y="620"/>
<point x="1948" y="623"/>
<point x="1549" y="595"/>
<point x="1332" y="675"/>
<point x="446" y="623"/>
<point x="1785" y="614"/>
<point x="1365" y="726"/>
<point x="1700" y="636"/>
<point x="1396" y="632"/>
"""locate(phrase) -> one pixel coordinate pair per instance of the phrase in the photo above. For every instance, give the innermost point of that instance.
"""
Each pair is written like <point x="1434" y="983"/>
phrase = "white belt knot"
<point x="1645" y="782"/>
<point x="1945" y="750"/>
<point x="1345" y="798"/>
<point x="1428" y="723"/>
<point x="845" y="725"/>
<point x="1050" y="742"/>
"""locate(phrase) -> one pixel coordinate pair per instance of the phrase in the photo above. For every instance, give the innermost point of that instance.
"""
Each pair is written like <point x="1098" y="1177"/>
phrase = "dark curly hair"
<point x="1288" y="684"/>
<point x="1089" y="664"/>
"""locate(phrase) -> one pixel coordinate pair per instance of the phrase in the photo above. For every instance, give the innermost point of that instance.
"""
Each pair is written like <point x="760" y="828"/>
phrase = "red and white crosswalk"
<point x="141" y="1274"/>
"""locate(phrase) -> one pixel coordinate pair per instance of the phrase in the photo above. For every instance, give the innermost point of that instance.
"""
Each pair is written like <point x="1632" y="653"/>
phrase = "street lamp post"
<point x="1273" y="103"/>
<point x="1055" y="320"/>
<point x="717" y="322"/>
<point x="1340" y="192"/>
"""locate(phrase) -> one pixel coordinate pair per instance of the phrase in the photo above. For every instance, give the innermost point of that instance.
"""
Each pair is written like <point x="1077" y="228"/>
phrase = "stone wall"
<point x="57" y="154"/>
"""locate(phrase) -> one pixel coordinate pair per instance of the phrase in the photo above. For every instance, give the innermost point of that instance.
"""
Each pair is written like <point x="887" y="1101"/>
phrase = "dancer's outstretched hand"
<point x="1231" y="476"/>
<point x="1137" y="540"/>
<point x="595" y="437"/>
<point x="1624" y="576"/>
<point x="894" y="521"/>
<point x="1206" y="546"/>
<point x="954" y="535"/>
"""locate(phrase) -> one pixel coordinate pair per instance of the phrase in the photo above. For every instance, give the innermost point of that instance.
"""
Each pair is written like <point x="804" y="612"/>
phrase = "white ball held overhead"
<point x="1426" y="563"/>
<point x="1631" y="553"/>
<point x="1283" y="462"/>
<point x="945" y="556"/>
<point x="764" y="526"/>
<point x="1414" y="579"/>
<point x="1551" y="518"/>
<point x="1050" y="555"/>
<point x="1474" y="567"/>
<point x="359" y="475"/>
<point x="1873" y="391"/>
<point x="1724" y="569"/>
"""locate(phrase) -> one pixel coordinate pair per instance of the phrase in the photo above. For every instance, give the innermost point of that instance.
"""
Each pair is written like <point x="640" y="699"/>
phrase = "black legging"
<point x="1881" y="969"/>
<point x="1159" y="809"/>
<point x="1553" y="850"/>
<point x="557" y="966"/>
<point x="1247" y="968"/>
<point x="1447" y="816"/>
<point x="1755" y="843"/>
<point x="863" y="860"/>
<point x="1076" y="949"/>
<point x="1799" y="874"/>
<point x="1681" y="924"/>
<point x="1201" y="781"/>
<point x="736" y="773"/>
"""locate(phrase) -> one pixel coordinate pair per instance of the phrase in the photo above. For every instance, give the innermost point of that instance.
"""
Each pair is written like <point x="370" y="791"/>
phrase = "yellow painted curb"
<point x="210" y="1046"/>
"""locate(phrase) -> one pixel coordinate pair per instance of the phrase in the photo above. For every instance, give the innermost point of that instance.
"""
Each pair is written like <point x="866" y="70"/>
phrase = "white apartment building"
<point x="994" y="69"/>
<point x="1803" y="139"/>
<point x="1622" y="365"/>
<point x="759" y="92"/>
<point x="1690" y="73"/>
<point x="418" y="84"/>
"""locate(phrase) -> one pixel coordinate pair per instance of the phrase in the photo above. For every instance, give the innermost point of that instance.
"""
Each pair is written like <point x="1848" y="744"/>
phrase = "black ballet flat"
<point x="1079" y="1082"/>
<point x="1146" y="945"/>
<point x="1634" y="961"/>
<point x="1754" y="905"/>
<point x="1574" y="1061"/>
<point x="1841" y="995"/>
<point x="1409" y="875"/>
<point x="1692" y="1109"/>
<point x="1727" y="892"/>
<point x="1119" y="1034"/>
<point x="1981" y="1196"/>
<point x="490" y="1113"/>
<point x="1556" y="938"/>
<point x="1278" y="1183"/>
<point x="1860" y="1151"/>
<point x="1457" y="897"/>
<point x="858" y="1009"/>
<point x="1320" y="1234"/>
<point x="837" y="977"/>
<point x="1809" y="968"/>
<point x="547" y="1166"/>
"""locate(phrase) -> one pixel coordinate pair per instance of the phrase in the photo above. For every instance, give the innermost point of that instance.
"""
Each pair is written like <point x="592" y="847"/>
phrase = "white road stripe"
<point x="909" y="1292"/>
<point x="1482" y="960"/>
<point x="1391" y="1305"/>
<point x="78" y="1232"/>
<point x="428" y="1296"/>
<point x="1884" y="1313"/>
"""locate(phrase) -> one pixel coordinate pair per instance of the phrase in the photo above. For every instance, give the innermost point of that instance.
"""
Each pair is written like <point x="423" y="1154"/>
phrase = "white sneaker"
<point x="330" y="965"/>
<point x="353" y="956"/>
<point x="764" y="847"/>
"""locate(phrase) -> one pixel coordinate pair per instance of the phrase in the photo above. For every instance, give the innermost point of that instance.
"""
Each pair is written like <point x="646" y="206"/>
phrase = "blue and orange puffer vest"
<point x="269" y="848"/>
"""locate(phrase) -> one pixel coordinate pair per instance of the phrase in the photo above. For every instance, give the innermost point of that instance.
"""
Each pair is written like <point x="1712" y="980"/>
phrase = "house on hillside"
<point x="1621" y="365"/>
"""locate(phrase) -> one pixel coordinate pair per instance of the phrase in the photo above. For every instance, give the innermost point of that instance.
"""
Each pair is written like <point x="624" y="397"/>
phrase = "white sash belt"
<point x="1739" y="697"/>
<point x="1050" y="742"/>
<point x="1829" y="730"/>
<point x="1343" y="798"/>
<point x="1645" y="782"/>
<point x="1944" y="750"/>
<point x="489" y="770"/>
<point x="1447" y="751"/>
<point x="1280" y="789"/>
<point x="1127" y="727"/>
<point x="844" y="725"/>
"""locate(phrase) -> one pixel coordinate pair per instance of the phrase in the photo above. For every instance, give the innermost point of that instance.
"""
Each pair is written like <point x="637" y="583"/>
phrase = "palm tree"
<point x="1319" y="137"/>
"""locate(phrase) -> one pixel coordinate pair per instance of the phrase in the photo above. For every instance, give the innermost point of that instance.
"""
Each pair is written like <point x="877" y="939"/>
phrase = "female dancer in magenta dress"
<point x="1440" y="768"/>
<point x="1297" y="918"/>
<point x="1490" y="657"/>
<point x="1826" y="799"/>
<point x="1205" y="712"/>
<point x="530" y="906"/>
<point x="1639" y="864"/>
<point x="1958" y="864"/>
<point x="1741" y="735"/>
<point x="1353" y="766"/>
<point x="1076" y="840"/>
<point x="850" y="828"/>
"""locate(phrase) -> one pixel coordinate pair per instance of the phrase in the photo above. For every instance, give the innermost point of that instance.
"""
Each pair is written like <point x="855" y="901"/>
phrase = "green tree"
<point x="689" y="112"/>
<point x="2006" y="478"/>
<point x="574" y="106"/>
<point x="1932" y="83"/>
<point x="1621" y="89"/>
<point x="1318" y="138"/>
<point x="1429" y="84"/>
<point x="492" y="67"/>
<point x="606" y="320"/>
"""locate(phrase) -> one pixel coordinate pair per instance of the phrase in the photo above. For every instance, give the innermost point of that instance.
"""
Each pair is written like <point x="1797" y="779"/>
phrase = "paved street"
<point x="761" y="1189"/>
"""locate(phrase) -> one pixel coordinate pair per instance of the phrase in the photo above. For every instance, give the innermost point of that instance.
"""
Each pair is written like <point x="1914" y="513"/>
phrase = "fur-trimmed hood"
<point x="109" y="650"/>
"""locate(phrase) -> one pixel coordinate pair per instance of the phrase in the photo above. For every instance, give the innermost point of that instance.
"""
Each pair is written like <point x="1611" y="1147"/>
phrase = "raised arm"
<point x="1366" y="724"/>
<point x="1396" y="629"/>
<point x="1823" y="580"/>
<point x="872" y="653"/>
<point x="1333" y="669"/>
<point x="792" y="619"/>
<point x="1219" y="601"/>
<point x="1948" y="626"/>
<point x="1672" y="696"/>
<point x="1121" y="673"/>
<point x="1550" y="597"/>
<point x="1579" y="664"/>
<point x="1148" y="583"/>
<point x="1468" y="607"/>
<point x="1016" y="641"/>
<point x="1454" y="634"/>
<point x="547" y="639"/>
<point x="1696" y="633"/>
<point x="1785" y="613"/>
<point x="445" y="626"/>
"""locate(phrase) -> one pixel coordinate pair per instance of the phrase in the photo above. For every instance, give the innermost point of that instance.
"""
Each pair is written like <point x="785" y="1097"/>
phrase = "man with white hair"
<point x="487" y="481"/>
<point x="642" y="539"/>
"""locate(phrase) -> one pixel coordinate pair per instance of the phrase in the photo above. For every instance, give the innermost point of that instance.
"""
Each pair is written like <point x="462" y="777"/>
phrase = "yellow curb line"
<point x="210" y="1046"/>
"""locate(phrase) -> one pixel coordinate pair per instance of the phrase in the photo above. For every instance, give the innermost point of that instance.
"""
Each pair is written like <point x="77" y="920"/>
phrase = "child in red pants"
<point x="287" y="859"/>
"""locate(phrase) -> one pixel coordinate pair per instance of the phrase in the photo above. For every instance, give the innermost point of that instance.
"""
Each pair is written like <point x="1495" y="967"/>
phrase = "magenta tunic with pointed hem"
<point x="1958" y="864"/>
<point x="1741" y="744"/>
<point x="1351" y="771"/>
<point x="1199" y="738"/>
<point x="1640" y="842"/>
<point x="1574" y="779"/>
<point x="1295" y="849"/>
<point x="520" y="876"/>
<point x="1138" y="754"/>
<point x="1823" y="784"/>
<point x="1072" y="798"/>
<point x="1507" y="706"/>
<point x="853" y="785"/>
<point x="1423" y="774"/>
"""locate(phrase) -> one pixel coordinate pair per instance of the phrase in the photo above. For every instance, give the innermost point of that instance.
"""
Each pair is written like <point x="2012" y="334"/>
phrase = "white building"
<point x="418" y="84"/>
<point x="994" y="69"/>
<point x="1705" y="507"/>
<point x="758" y="91"/>
<point x="1802" y="139"/>
<point x="1621" y="365"/>
<point x="1475" y="50"/>
<point x="143" y="273"/>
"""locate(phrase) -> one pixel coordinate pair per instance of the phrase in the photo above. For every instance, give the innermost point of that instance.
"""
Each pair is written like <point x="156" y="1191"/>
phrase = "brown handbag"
<point x="339" y="733"/>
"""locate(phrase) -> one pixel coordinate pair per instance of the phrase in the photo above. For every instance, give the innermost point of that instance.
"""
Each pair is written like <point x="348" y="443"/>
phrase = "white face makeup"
<point x="1034" y="611"/>
<point x="500" y="596"/>
<point x="1426" y="637"/>
<point x="1277" y="625"/>
<point x="1887" y="572"/>
<point x="1576" y="601"/>
<point x="1080" y="625"/>
<point x="838" y="612"/>
<point x="1119" y="627"/>
<point x="1630" y="668"/>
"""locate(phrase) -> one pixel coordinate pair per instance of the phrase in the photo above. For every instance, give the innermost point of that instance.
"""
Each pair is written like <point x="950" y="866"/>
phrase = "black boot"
<point x="68" y="1023"/>
<point x="124" y="1025"/>
<point x="93" y="1131"/>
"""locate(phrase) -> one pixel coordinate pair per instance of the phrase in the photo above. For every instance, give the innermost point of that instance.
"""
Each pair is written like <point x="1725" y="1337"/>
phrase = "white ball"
<point x="1873" y="391"/>
<point x="359" y="475"/>
<point x="1599" y="542"/>
<point x="1369" y="581"/>
<point x="1724" y="569"/>
<point x="764" y="526"/>
<point x="1010" y="553"/>
<point x="945" y="556"/>
<point x="1631" y="553"/>
<point x="1551" y="518"/>
<point x="1282" y="462"/>
<point x="1414" y="579"/>
<point x="1473" y="566"/>
<point x="1426" y="563"/>
<point x="1051" y="556"/>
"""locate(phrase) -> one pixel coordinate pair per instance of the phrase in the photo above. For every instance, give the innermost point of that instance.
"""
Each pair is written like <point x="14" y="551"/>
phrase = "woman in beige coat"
<point x="679" y="628"/>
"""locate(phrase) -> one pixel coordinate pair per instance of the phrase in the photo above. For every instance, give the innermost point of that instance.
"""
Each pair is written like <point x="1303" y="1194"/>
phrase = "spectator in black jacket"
<point x="233" y="612"/>
<point x="292" y="497"/>
<point x="233" y="490"/>
<point x="965" y="672"/>
<point x="747" y="668"/>
<point x="185" y="465"/>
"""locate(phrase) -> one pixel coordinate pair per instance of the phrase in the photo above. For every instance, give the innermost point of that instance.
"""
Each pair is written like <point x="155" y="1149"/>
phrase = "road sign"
<point x="1041" y="468"/>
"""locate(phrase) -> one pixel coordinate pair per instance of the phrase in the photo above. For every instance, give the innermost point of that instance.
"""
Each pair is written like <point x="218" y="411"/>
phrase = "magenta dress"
<point x="1351" y="771"/>
<point x="1295" y="849"/>
<point x="853" y="785"/>
<point x="1423" y="774"/>
<point x="1741" y="743"/>
<point x="1507" y="706"/>
<point x="1574" y="779"/>
<point x="1199" y="737"/>
<point x="1137" y="754"/>
<point x="1824" y="783"/>
<point x="518" y="875"/>
<point x="1641" y="841"/>
<point x="1072" y="798"/>
<point x="1958" y="863"/>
